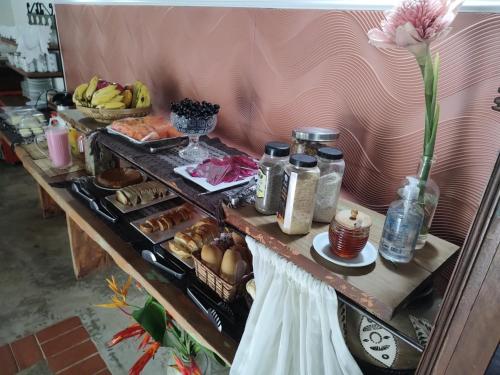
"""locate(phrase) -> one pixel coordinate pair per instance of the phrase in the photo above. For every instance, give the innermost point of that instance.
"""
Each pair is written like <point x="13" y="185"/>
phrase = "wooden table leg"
<point x="87" y="255"/>
<point x="49" y="207"/>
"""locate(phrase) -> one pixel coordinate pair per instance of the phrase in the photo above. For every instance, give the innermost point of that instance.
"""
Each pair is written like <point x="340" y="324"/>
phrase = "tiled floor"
<point x="38" y="288"/>
<point x="65" y="346"/>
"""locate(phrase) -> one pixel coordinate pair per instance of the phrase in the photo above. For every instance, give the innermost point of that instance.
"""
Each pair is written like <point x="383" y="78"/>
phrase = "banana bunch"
<point x="98" y="93"/>
<point x="140" y="95"/>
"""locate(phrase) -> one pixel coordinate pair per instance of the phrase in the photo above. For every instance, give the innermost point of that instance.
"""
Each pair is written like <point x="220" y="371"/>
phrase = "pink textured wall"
<point x="274" y="70"/>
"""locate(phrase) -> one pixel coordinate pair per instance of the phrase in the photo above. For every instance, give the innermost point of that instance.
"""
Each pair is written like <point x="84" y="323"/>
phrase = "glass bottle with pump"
<point x="402" y="225"/>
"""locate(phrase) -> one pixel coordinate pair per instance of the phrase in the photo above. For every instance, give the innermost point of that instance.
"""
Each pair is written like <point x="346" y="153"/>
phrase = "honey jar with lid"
<point x="348" y="233"/>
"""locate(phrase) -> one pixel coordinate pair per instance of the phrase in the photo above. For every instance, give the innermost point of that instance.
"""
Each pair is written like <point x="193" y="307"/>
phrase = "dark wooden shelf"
<point x="35" y="74"/>
<point x="52" y="47"/>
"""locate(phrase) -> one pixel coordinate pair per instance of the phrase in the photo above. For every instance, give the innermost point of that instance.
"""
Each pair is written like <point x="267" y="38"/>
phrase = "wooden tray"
<point x="162" y="236"/>
<point x="126" y="209"/>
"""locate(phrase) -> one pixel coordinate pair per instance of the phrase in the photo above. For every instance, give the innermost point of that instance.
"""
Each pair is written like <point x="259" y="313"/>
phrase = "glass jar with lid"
<point x="331" y="165"/>
<point x="349" y="232"/>
<point x="271" y="169"/>
<point x="309" y="140"/>
<point x="298" y="194"/>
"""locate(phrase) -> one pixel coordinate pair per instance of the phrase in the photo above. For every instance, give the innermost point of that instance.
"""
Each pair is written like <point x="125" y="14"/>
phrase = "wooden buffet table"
<point x="378" y="289"/>
<point x="94" y="244"/>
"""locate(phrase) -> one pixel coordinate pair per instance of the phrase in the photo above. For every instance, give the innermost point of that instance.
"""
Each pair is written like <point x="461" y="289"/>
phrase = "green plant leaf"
<point x="428" y="90"/>
<point x="435" y="74"/>
<point x="152" y="318"/>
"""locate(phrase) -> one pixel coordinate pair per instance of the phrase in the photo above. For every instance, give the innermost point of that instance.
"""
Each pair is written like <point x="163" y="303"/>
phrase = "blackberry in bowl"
<point x="194" y="119"/>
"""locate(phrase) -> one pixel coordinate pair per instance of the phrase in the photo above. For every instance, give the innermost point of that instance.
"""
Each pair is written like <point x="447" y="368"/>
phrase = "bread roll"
<point x="205" y="221"/>
<point x="121" y="197"/>
<point x="176" y="218"/>
<point x="186" y="240"/>
<point x="212" y="256"/>
<point x="233" y="267"/>
<point x="198" y="238"/>
<point x="251" y="288"/>
<point x="180" y="250"/>
<point x="165" y="223"/>
<point x="146" y="228"/>
<point x="238" y="239"/>
<point x="154" y="224"/>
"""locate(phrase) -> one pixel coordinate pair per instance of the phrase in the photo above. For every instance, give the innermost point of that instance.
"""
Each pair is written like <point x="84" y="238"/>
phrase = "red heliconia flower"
<point x="180" y="366"/>
<point x="195" y="370"/>
<point x="131" y="331"/>
<point x="184" y="369"/>
<point x="145" y="341"/>
<point x="146" y="357"/>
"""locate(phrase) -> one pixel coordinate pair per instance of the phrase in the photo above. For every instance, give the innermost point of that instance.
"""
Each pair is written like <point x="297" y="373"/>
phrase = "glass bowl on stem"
<point x="195" y="151"/>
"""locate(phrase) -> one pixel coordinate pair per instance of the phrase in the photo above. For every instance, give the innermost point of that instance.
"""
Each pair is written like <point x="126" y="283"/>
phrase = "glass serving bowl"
<point x="194" y="128"/>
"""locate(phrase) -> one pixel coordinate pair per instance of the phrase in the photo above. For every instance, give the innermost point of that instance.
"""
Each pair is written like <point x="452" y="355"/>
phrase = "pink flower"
<point x="414" y="24"/>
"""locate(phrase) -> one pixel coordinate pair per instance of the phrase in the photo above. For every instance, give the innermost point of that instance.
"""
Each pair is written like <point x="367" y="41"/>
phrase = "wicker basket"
<point x="107" y="116"/>
<point x="224" y="290"/>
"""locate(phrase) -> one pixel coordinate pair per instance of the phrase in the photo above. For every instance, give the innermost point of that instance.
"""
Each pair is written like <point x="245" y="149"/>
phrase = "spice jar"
<point x="331" y="166"/>
<point x="309" y="140"/>
<point x="298" y="193"/>
<point x="271" y="169"/>
<point x="348" y="233"/>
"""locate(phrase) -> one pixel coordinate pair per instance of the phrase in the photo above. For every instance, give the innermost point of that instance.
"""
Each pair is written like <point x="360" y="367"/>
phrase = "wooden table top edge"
<point x="131" y="263"/>
<point x="319" y="272"/>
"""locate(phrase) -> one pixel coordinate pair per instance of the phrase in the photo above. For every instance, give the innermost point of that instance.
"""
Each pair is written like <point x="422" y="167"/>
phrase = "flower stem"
<point x="124" y="311"/>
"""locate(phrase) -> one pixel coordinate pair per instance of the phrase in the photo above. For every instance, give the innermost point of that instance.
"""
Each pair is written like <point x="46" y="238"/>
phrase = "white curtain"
<point x="293" y="326"/>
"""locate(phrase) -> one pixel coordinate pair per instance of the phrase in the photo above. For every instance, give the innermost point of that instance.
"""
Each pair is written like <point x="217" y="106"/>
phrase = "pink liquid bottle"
<point x="58" y="143"/>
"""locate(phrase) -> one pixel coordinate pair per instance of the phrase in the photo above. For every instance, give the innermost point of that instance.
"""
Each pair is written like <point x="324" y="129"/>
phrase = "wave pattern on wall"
<point x="275" y="70"/>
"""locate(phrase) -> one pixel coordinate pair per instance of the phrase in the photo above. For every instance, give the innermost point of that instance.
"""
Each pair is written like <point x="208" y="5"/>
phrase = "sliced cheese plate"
<point x="126" y="209"/>
<point x="187" y="261"/>
<point x="162" y="236"/>
<point x="202" y="181"/>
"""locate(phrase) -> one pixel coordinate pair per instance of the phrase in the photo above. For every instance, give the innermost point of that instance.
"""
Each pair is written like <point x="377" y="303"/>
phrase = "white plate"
<point x="367" y="256"/>
<point x="202" y="181"/>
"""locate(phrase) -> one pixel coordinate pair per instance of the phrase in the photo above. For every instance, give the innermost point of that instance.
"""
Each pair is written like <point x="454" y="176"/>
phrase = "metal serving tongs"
<point x="78" y="187"/>
<point x="209" y="312"/>
<point x="156" y="258"/>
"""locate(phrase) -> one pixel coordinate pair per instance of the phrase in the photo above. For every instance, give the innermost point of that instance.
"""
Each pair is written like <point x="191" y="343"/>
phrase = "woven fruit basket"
<point x="107" y="116"/>
<point x="225" y="290"/>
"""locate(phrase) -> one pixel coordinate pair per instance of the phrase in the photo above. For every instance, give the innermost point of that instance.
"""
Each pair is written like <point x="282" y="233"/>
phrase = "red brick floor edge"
<point x="65" y="346"/>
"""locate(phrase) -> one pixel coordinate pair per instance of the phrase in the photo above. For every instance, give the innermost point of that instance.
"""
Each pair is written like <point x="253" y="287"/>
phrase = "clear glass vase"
<point x="430" y="198"/>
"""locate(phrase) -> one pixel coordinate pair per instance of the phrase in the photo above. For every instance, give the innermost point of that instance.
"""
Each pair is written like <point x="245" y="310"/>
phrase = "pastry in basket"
<point x="149" y="128"/>
<point x="167" y="220"/>
<point x="117" y="178"/>
<point x="194" y="237"/>
<point x="226" y="257"/>
<point x="251" y="289"/>
<point x="141" y="193"/>
<point x="233" y="267"/>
